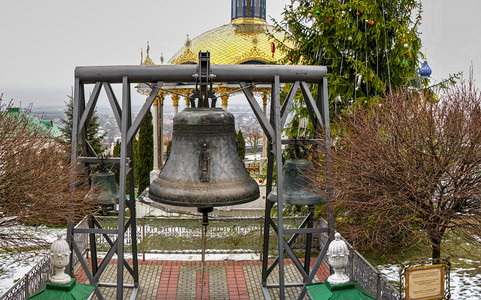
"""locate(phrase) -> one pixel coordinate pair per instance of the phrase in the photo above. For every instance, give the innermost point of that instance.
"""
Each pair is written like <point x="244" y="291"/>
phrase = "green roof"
<point x="327" y="291"/>
<point x="72" y="290"/>
<point x="54" y="130"/>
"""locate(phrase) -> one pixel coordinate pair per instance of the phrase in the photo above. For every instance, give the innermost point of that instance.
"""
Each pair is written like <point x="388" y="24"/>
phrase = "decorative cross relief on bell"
<point x="59" y="257"/>
<point x="338" y="256"/>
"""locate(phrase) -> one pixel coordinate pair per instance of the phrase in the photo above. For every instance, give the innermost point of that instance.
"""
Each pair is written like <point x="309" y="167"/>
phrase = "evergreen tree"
<point x="144" y="160"/>
<point x="116" y="153"/>
<point x="371" y="46"/>
<point x="241" y="144"/>
<point x="92" y="130"/>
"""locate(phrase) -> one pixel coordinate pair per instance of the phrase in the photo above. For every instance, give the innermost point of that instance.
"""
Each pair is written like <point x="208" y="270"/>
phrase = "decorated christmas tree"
<point x="371" y="46"/>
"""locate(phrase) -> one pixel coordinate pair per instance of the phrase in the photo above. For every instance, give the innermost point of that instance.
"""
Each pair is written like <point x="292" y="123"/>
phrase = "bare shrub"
<point x="36" y="177"/>
<point x="408" y="170"/>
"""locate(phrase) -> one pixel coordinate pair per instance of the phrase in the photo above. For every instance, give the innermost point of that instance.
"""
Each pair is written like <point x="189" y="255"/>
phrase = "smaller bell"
<point x="104" y="191"/>
<point x="296" y="187"/>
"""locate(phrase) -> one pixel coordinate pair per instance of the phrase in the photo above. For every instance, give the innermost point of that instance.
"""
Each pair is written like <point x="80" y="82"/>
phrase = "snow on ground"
<point x="465" y="282"/>
<point x="13" y="268"/>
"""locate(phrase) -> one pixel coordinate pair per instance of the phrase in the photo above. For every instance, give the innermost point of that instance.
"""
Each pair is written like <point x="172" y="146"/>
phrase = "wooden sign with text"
<point x="425" y="283"/>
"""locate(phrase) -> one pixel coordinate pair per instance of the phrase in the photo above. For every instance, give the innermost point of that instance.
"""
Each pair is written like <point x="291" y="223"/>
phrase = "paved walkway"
<point x="165" y="279"/>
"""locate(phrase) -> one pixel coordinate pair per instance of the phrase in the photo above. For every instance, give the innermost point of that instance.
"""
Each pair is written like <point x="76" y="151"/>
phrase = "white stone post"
<point x="59" y="257"/>
<point x="338" y="256"/>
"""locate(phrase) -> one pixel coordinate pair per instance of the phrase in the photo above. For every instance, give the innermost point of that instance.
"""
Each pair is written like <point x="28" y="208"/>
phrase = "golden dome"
<point x="244" y="40"/>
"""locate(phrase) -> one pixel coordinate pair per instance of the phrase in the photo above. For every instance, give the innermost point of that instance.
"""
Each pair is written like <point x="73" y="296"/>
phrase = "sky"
<point x="41" y="42"/>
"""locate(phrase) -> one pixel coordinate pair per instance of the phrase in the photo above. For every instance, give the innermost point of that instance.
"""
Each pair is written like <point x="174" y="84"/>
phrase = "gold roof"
<point x="241" y="41"/>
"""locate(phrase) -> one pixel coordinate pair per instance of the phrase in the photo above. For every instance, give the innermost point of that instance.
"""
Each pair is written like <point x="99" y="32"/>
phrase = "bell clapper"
<point x="205" y="222"/>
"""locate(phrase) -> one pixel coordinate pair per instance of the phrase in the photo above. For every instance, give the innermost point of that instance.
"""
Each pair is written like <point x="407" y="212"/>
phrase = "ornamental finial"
<point x="338" y="256"/>
<point x="59" y="257"/>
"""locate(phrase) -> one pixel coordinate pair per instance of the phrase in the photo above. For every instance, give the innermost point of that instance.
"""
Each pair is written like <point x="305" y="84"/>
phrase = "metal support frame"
<point x="156" y="76"/>
<point x="319" y="115"/>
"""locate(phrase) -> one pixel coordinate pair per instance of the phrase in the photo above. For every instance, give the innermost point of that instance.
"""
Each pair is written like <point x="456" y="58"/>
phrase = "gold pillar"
<point x="225" y="100"/>
<point x="187" y="102"/>
<point x="175" y="103"/>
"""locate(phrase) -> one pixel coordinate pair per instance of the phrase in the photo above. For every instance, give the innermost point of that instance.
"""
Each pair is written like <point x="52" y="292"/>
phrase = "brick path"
<point x="233" y="280"/>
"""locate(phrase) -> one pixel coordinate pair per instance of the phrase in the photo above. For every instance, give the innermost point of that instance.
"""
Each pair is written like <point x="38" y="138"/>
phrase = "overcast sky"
<point x="43" y="41"/>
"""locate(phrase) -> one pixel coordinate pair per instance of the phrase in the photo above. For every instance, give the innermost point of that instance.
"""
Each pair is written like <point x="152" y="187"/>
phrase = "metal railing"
<point x="39" y="274"/>
<point x="367" y="276"/>
<point x="225" y="235"/>
<point x="183" y="235"/>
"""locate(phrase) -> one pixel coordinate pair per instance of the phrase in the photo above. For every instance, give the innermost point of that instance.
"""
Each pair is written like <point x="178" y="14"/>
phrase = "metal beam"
<point x="266" y="126"/>
<point x="314" y="113"/>
<point x="183" y="73"/>
<point x="114" y="104"/>
<point x="87" y="114"/>
<point x="286" y="107"/>
<point x="305" y="230"/>
<point x="143" y="111"/>
<point x="98" y="160"/>
<point x="75" y="120"/>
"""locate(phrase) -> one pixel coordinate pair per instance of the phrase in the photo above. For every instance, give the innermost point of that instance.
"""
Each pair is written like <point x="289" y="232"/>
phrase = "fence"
<point x="183" y="235"/>
<point x="368" y="277"/>
<point x="30" y="282"/>
<point x="225" y="235"/>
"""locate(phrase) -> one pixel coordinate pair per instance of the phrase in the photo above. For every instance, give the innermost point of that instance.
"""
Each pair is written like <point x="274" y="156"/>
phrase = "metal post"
<point x="122" y="185"/>
<point x="378" y="285"/>
<point x="205" y="222"/>
<point x="69" y="269"/>
<point x="133" y="225"/>
<point x="323" y="101"/>
<point x="143" y="238"/>
<point x="93" y="246"/>
<point x="261" y="234"/>
<point x="276" y="108"/>
<point x="307" y="257"/>
<point x="267" y="214"/>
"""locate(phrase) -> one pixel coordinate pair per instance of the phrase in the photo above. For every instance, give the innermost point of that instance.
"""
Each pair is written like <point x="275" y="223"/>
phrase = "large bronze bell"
<point x="105" y="191"/>
<point x="203" y="168"/>
<point x="296" y="186"/>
